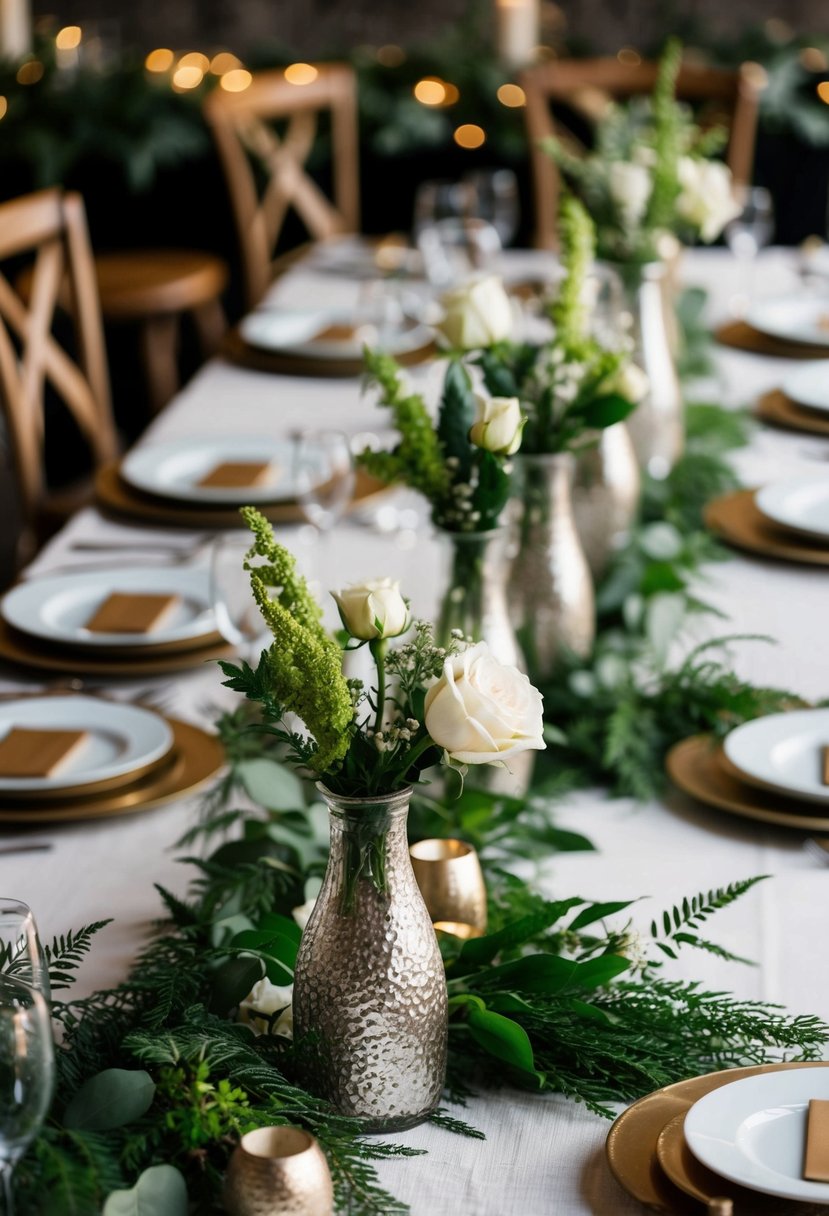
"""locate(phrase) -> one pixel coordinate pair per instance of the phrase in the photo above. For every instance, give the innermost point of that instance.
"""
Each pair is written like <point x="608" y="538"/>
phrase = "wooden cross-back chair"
<point x="566" y="81"/>
<point x="242" y="125"/>
<point x="51" y="226"/>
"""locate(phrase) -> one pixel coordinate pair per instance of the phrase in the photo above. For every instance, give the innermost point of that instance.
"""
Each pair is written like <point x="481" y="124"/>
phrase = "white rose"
<point x="302" y="914"/>
<point x="629" y="382"/>
<point x="374" y="609"/>
<point x="476" y="314"/>
<point x="630" y="188"/>
<point x="265" y="999"/>
<point x="706" y="198"/>
<point x="481" y="710"/>
<point x="498" y="426"/>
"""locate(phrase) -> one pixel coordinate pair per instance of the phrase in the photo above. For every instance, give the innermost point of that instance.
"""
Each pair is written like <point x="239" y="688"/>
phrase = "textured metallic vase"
<point x="657" y="425"/>
<point x="370" y="1005"/>
<point x="606" y="496"/>
<point x="278" y="1171"/>
<point x="451" y="882"/>
<point x="550" y="590"/>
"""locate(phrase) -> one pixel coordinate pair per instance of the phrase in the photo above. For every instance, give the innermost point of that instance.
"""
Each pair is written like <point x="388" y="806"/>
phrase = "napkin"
<point x="123" y="612"/>
<point x="26" y="752"/>
<point x="238" y="473"/>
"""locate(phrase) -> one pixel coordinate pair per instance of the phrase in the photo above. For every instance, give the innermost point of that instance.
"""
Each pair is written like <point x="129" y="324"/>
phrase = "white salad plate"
<point x="794" y="318"/>
<point x="121" y="739"/>
<point x="294" y="334"/>
<point x="809" y="386"/>
<point x="56" y="608"/>
<point x="753" y="1132"/>
<point x="783" y="752"/>
<point x="799" y="503"/>
<point x="174" y="469"/>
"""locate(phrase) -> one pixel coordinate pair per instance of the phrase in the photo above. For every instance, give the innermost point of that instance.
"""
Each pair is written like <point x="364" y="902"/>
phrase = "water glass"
<point x="323" y="476"/>
<point x="22" y="958"/>
<point x="455" y="249"/>
<point x="27" y="1069"/>
<point x="749" y="232"/>
<point x="492" y="195"/>
<point x="237" y="614"/>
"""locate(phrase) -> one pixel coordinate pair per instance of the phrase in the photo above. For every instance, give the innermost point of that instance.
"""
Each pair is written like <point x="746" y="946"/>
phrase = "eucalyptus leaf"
<point x="110" y="1099"/>
<point x="272" y="785"/>
<point x="664" y="616"/>
<point x="159" y="1191"/>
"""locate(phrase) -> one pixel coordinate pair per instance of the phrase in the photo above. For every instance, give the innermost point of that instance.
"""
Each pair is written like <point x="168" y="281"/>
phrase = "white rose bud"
<point x="499" y="425"/>
<point x="706" y="198"/>
<point x="481" y="711"/>
<point x="476" y="314"/>
<point x="630" y="188"/>
<point x="629" y="382"/>
<point x="265" y="999"/>
<point x="374" y="609"/>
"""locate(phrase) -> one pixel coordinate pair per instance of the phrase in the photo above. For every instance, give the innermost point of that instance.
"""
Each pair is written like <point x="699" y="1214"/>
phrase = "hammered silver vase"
<point x="657" y="425"/>
<point x="278" y="1171"/>
<point x="606" y="496"/>
<point x="550" y="591"/>
<point x="370" y="1004"/>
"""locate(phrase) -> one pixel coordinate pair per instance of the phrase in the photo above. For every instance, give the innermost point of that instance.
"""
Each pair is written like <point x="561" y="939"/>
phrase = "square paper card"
<point x="239" y="474"/>
<point x="25" y="752"/>
<point x="123" y="612"/>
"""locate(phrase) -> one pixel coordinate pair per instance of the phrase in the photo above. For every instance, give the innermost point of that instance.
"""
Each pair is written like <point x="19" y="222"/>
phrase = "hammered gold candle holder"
<point x="278" y="1171"/>
<point x="449" y="876"/>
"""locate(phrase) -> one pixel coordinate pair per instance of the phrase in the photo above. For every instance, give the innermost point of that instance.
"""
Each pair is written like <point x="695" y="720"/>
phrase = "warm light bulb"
<point x="68" y="38"/>
<point x="823" y="91"/>
<point x="4" y="105"/>
<point x="236" y="80"/>
<point x="223" y="62"/>
<point x="391" y="55"/>
<point x="187" y="77"/>
<point x="30" y="72"/>
<point x="469" y="135"/>
<point x="511" y="95"/>
<point x="430" y="91"/>
<point x="452" y="93"/>
<point x="160" y="60"/>
<point x="301" y="73"/>
<point x="194" y="59"/>
<point x="629" y="56"/>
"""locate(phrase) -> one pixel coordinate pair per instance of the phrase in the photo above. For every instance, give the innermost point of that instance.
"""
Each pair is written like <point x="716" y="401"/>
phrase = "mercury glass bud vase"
<point x="278" y="1171"/>
<point x="657" y="425"/>
<point x="606" y="496"/>
<point x="550" y="591"/>
<point x="370" y="1005"/>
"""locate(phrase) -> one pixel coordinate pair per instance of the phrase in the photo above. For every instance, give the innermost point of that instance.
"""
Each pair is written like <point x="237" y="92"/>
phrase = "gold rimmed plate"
<point x="779" y="410"/>
<point x="736" y="519"/>
<point x="196" y="757"/>
<point x="631" y="1146"/>
<point x="285" y="363"/>
<point x="697" y="767"/>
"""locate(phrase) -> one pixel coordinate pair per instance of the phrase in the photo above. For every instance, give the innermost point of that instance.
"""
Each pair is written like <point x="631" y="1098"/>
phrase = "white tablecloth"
<point x="542" y="1155"/>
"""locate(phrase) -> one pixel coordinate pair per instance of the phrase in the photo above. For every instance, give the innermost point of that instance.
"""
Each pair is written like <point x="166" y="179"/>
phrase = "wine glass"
<point x="439" y="200"/>
<point x="22" y="958"/>
<point x="237" y="614"/>
<point x="748" y="233"/>
<point x="27" y="1069"/>
<point x="492" y="195"/>
<point x="455" y="249"/>
<point x="323" y="476"/>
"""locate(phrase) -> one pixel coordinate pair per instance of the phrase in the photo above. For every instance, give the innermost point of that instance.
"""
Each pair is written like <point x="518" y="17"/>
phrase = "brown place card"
<point x="826" y="766"/>
<point x="25" y="752"/>
<point x="123" y="612"/>
<point x="238" y="474"/>
<point x="816" y="1156"/>
<point x="335" y="333"/>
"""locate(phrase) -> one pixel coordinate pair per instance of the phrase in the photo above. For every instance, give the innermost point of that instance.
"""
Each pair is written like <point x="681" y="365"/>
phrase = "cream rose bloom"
<point x="374" y="609"/>
<point x="630" y="186"/>
<point x="481" y="711"/>
<point x="499" y="425"/>
<point x="476" y="314"/>
<point x="706" y="198"/>
<point x="629" y="382"/>
<point x="265" y="999"/>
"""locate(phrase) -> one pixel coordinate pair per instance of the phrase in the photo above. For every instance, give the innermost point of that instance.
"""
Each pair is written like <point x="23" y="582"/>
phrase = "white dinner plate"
<point x="783" y="752"/>
<point x="800" y="503"/>
<point x="122" y="738"/>
<point x="174" y="469"/>
<point x="754" y="1132"/>
<point x="794" y="318"/>
<point x="56" y="608"/>
<point x="294" y="334"/>
<point x="808" y="385"/>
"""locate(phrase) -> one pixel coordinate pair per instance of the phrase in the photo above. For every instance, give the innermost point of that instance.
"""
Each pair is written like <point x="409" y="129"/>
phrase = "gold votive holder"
<point x="456" y="928"/>
<point x="451" y="882"/>
<point x="278" y="1171"/>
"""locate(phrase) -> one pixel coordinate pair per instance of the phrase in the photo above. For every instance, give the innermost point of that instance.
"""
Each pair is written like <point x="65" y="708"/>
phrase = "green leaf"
<point x="271" y="785"/>
<point x="110" y="1099"/>
<point x="552" y="975"/>
<point x="481" y="950"/>
<point x="278" y="951"/>
<point x="456" y="416"/>
<point x="605" y="411"/>
<point x="233" y="981"/>
<point x="502" y="1038"/>
<point x="597" y="912"/>
<point x="159" y="1191"/>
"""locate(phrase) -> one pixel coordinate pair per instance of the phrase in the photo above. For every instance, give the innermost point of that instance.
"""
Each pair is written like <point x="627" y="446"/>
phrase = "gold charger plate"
<point x="240" y="352"/>
<point x="196" y="757"/>
<point x="736" y="519"/>
<point x="691" y="1176"/>
<point x="631" y="1142"/>
<point x="779" y="410"/>
<point x="115" y="497"/>
<point x="696" y="767"/>
<point x="742" y="336"/>
<point x="27" y="652"/>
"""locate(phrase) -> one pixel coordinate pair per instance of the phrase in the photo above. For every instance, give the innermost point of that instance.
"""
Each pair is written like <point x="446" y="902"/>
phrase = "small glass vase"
<point x="657" y="425"/>
<point x="550" y="591"/>
<point x="606" y="496"/>
<point x="370" y="1004"/>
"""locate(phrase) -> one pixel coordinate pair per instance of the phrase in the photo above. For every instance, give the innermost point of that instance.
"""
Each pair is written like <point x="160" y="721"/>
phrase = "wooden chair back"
<point x="568" y="80"/>
<point x="51" y="226"/>
<point x="242" y="126"/>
